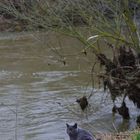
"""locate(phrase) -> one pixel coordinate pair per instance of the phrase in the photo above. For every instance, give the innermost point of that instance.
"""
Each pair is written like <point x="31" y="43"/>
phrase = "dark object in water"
<point x="138" y="120"/>
<point x="126" y="57"/>
<point x="124" y="111"/>
<point x="114" y="109"/>
<point x="83" y="102"/>
<point x="135" y="94"/>
<point x="76" y="133"/>
<point x="105" y="83"/>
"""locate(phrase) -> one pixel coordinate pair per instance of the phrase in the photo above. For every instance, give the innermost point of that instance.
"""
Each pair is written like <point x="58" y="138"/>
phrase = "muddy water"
<point x="38" y="92"/>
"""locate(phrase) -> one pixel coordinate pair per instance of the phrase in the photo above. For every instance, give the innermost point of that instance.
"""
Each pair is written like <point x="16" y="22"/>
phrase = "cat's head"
<point x="72" y="130"/>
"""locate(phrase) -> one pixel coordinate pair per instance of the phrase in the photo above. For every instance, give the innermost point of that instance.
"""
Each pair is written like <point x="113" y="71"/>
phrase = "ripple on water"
<point x="45" y="103"/>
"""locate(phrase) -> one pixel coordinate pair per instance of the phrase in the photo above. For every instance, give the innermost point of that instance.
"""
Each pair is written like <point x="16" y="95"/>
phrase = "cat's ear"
<point x="75" y="125"/>
<point x="67" y="124"/>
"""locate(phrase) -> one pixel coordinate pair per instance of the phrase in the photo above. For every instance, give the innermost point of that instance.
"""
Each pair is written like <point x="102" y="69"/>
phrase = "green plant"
<point x="136" y="136"/>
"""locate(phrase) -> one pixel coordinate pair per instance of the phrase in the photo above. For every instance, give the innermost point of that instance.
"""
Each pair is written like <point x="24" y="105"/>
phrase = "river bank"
<point x="133" y="135"/>
<point x="10" y="25"/>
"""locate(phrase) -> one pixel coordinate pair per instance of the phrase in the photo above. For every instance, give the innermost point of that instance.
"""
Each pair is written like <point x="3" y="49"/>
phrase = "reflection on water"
<point x="38" y="93"/>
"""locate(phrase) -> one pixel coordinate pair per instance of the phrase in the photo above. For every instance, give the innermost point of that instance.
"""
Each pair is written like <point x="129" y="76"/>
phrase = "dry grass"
<point x="120" y="136"/>
<point x="114" y="137"/>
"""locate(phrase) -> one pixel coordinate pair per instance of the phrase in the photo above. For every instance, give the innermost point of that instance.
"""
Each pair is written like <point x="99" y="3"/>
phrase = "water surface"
<point x="38" y="92"/>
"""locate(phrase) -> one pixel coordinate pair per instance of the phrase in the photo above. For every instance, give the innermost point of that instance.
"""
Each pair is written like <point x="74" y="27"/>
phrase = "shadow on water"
<point x="42" y="91"/>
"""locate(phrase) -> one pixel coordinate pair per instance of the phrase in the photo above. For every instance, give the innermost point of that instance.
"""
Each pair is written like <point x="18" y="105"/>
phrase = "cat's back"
<point x="84" y="135"/>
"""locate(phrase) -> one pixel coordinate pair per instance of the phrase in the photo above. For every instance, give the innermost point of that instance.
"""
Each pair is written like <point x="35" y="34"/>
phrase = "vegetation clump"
<point x="121" y="77"/>
<point x="83" y="102"/>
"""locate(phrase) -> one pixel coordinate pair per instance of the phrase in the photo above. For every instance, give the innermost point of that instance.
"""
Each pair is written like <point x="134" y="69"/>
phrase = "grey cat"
<point x="76" y="133"/>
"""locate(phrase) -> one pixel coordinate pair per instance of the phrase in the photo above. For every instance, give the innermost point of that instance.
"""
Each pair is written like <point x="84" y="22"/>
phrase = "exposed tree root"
<point x="122" y="78"/>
